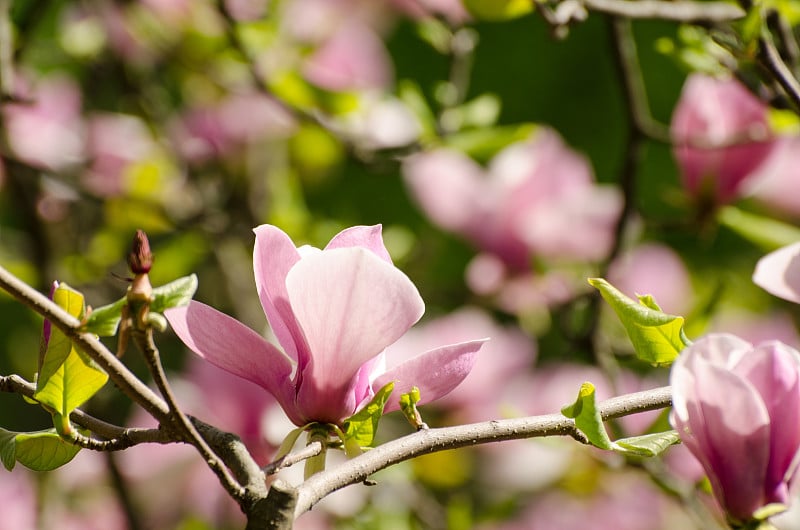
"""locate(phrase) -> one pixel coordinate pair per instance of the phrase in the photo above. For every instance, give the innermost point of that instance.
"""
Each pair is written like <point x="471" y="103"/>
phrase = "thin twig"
<point x="678" y="11"/>
<point x="312" y="449"/>
<point x="772" y="61"/>
<point x="144" y="340"/>
<point x="116" y="437"/>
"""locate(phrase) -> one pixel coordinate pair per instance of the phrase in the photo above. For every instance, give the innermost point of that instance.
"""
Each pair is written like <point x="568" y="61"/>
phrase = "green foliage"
<point x="766" y="233"/>
<point x="360" y="428"/>
<point x="498" y="10"/>
<point x="590" y="423"/>
<point x="67" y="376"/>
<point x="40" y="451"/>
<point x="104" y="320"/>
<point x="657" y="337"/>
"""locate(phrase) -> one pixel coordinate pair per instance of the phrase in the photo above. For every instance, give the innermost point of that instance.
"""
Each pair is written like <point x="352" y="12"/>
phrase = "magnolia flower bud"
<point x="140" y="259"/>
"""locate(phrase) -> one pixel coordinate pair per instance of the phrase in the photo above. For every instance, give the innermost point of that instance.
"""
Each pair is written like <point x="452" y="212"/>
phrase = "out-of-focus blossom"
<point x="756" y="327"/>
<point x="46" y="130"/>
<point x="775" y="182"/>
<point x="657" y="270"/>
<point x="538" y="198"/>
<point x="737" y="409"/>
<point x="334" y="312"/>
<point x="115" y="142"/>
<point x="244" y="10"/>
<point x="536" y="201"/>
<point x="379" y="123"/>
<point x="19" y="499"/>
<point x="452" y="10"/>
<point x="509" y="353"/>
<point x="353" y="58"/>
<point x="779" y="273"/>
<point x="720" y="134"/>
<point x="241" y="119"/>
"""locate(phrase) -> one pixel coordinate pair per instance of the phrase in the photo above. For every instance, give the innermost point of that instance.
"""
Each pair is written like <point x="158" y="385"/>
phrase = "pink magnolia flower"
<point x="720" y="136"/>
<point x="779" y="273"/>
<point x="737" y="409"/>
<point x="333" y="311"/>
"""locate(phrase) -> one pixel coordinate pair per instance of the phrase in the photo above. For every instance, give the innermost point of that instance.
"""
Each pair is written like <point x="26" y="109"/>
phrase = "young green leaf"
<point x="657" y="337"/>
<point x="104" y="320"/>
<point x="497" y="10"/>
<point x="649" y="444"/>
<point x="361" y="426"/>
<point x="408" y="405"/>
<point x="67" y="376"/>
<point x="176" y="293"/>
<point x="587" y="417"/>
<point x="40" y="451"/>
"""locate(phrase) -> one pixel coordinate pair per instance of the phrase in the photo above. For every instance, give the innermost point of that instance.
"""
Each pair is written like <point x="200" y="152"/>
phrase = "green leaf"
<point x="174" y="294"/>
<point x="765" y="232"/>
<point x="497" y="10"/>
<point x="408" y="405"/>
<point x="40" y="451"/>
<point x="104" y="320"/>
<point x="657" y="337"/>
<point x="590" y="423"/>
<point x="361" y="426"/>
<point x="587" y="417"/>
<point x="67" y="376"/>
<point x="485" y="142"/>
<point x="649" y="444"/>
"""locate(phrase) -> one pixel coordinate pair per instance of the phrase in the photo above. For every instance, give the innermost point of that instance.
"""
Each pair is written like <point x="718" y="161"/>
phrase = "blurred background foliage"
<point x="197" y="121"/>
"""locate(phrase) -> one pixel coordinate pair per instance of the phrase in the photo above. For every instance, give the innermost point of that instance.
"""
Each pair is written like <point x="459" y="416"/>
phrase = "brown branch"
<point x="678" y="11"/>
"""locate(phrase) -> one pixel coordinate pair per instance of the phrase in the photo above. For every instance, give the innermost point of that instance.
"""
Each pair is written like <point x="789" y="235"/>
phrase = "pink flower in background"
<point x="720" y="134"/>
<point x="47" y="131"/>
<point x="333" y="311"/>
<point x="353" y="58"/>
<point x="452" y="10"/>
<point x="20" y="506"/>
<point x="737" y="409"/>
<point x="779" y="273"/>
<point x="509" y="353"/>
<point x="775" y="182"/>
<point x="654" y="269"/>
<point x="537" y="198"/>
<point x="218" y="129"/>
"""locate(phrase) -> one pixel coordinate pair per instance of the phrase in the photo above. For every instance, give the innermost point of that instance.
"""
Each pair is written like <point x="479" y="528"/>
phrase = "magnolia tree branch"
<point x="678" y="11"/>
<point x="772" y="61"/>
<point x="432" y="440"/>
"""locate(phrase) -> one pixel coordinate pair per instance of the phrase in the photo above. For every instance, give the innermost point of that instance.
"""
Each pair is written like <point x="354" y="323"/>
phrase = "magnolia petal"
<point x="368" y="237"/>
<point x="774" y="370"/>
<point x="738" y="429"/>
<point x="435" y="372"/>
<point x="274" y="255"/>
<point x="779" y="273"/>
<point x="351" y="305"/>
<point x="233" y="347"/>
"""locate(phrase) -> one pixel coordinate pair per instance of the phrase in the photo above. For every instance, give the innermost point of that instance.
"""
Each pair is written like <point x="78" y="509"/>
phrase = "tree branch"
<point x="432" y="440"/>
<point x="771" y="60"/>
<point x="678" y="11"/>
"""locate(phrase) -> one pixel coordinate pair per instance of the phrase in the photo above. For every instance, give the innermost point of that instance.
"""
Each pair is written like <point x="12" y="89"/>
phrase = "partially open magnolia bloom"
<point x="720" y="134"/>
<point x="737" y="409"/>
<point x="333" y="311"/>
<point x="779" y="273"/>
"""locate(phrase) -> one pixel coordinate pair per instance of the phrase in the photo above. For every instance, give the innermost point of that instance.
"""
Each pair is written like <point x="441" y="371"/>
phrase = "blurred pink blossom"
<point x="775" y="182"/>
<point x="19" y="499"/>
<point x="115" y="141"/>
<point x="216" y="130"/>
<point x="452" y="10"/>
<point x="655" y="269"/>
<point x="353" y="58"/>
<point x="720" y="134"/>
<point x="46" y="130"/>
<point x="508" y="354"/>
